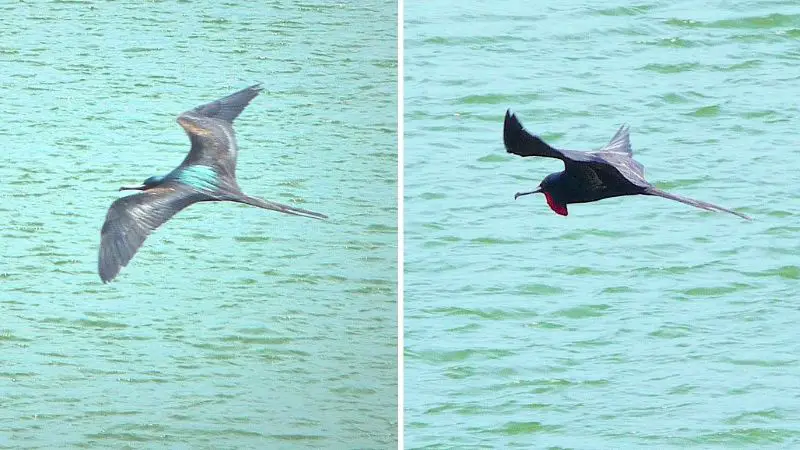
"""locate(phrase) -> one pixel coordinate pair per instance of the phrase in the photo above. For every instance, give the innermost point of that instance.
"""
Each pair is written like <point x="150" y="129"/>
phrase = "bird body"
<point x="200" y="177"/>
<point x="589" y="176"/>
<point x="208" y="173"/>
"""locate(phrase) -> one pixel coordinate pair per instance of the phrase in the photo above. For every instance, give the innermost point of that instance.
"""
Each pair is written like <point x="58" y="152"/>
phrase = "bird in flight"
<point x="589" y="176"/>
<point x="207" y="174"/>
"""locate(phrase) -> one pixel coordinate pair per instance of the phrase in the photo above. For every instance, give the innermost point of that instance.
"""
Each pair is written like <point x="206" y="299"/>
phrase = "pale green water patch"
<point x="706" y="111"/>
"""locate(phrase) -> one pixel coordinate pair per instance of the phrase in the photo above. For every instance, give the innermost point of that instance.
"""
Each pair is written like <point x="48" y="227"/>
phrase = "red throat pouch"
<point x="558" y="208"/>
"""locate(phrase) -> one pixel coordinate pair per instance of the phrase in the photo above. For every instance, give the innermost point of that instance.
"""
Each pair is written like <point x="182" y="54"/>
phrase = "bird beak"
<point x="520" y="194"/>
<point x="132" y="188"/>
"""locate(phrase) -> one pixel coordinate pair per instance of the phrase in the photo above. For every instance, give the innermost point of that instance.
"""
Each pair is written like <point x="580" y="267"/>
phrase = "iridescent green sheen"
<point x="154" y="180"/>
<point x="198" y="177"/>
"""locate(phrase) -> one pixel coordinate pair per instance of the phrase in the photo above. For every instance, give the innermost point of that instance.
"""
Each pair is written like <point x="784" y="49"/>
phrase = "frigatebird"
<point x="207" y="174"/>
<point x="589" y="176"/>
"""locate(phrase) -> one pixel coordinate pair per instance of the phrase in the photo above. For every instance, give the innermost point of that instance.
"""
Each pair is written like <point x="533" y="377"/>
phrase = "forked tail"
<point x="690" y="201"/>
<point x="286" y="209"/>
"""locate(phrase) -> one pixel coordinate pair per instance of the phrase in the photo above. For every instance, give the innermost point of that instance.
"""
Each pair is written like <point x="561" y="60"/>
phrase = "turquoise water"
<point x="233" y="327"/>
<point x="634" y="322"/>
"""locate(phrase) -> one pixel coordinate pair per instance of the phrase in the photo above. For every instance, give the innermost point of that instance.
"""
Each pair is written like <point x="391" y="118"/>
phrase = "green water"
<point x="232" y="327"/>
<point x="634" y="322"/>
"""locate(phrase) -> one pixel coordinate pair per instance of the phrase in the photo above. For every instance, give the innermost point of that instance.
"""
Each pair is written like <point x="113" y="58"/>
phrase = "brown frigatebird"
<point x="589" y="176"/>
<point x="207" y="174"/>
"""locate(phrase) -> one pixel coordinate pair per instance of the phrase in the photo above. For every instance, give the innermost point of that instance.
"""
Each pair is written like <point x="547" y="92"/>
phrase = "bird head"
<point x="551" y="182"/>
<point x="549" y="187"/>
<point x="151" y="182"/>
<point x="545" y="187"/>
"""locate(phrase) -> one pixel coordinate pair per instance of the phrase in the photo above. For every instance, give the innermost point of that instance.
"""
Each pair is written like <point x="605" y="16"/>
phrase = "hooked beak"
<point x="520" y="194"/>
<point x="133" y="188"/>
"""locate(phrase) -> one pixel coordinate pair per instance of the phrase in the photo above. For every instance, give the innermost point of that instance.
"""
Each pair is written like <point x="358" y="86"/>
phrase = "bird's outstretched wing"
<point x="626" y="166"/>
<point x="522" y="143"/>
<point x="210" y="128"/>
<point x="131" y="219"/>
<point x="620" y="143"/>
<point x="619" y="153"/>
<point x="228" y="108"/>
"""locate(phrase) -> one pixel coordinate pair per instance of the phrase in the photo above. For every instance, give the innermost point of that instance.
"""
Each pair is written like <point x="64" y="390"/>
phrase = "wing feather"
<point x="131" y="219"/>
<point x="228" y="108"/>
<point x="210" y="129"/>
<point x="519" y="141"/>
<point x="620" y="143"/>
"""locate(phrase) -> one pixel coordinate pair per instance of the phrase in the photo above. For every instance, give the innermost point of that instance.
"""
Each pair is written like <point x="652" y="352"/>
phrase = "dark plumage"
<point x="589" y="176"/>
<point x="207" y="174"/>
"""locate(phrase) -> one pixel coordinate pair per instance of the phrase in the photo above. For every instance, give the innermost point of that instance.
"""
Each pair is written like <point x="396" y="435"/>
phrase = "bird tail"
<point x="690" y="201"/>
<point x="273" y="206"/>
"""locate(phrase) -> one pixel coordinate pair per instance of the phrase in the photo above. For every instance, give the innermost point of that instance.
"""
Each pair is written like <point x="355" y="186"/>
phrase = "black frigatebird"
<point x="207" y="174"/>
<point x="589" y="176"/>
